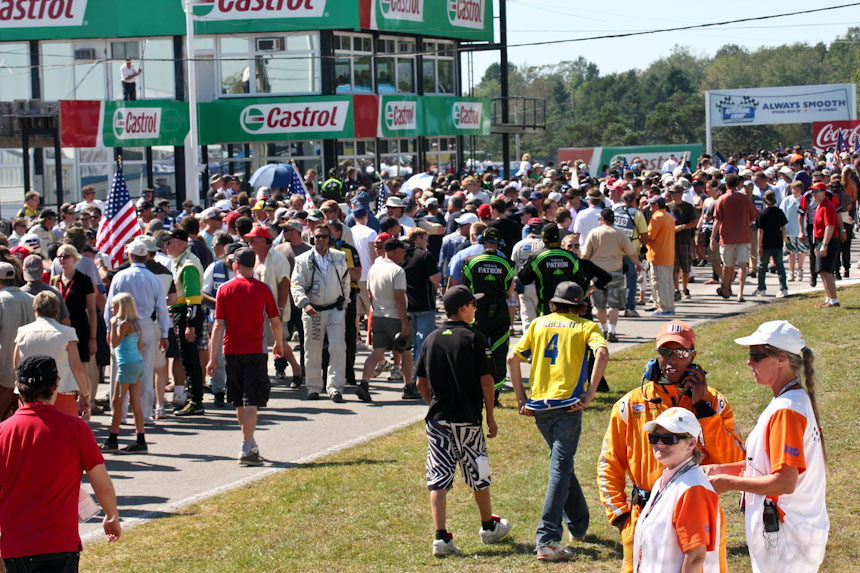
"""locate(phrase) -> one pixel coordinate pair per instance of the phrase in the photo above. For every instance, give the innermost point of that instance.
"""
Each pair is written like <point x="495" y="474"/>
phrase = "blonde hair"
<point x="127" y="307"/>
<point x="69" y="249"/>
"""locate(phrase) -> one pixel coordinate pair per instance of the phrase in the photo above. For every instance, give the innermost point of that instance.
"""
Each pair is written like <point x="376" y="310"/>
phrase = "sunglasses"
<point x="668" y="439"/>
<point x="679" y="353"/>
<point x="758" y="356"/>
<point x="322" y="237"/>
<point x="64" y="257"/>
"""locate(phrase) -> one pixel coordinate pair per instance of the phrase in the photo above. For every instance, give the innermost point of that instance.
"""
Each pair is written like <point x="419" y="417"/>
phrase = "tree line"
<point x="664" y="103"/>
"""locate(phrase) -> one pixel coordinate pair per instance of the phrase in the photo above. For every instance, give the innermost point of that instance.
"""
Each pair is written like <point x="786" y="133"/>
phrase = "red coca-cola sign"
<point x="825" y="134"/>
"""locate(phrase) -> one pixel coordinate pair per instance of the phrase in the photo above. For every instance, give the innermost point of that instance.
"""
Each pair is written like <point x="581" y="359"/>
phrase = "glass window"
<point x="283" y="64"/>
<point x="358" y="153"/>
<point x="356" y="54"/>
<point x="397" y="156"/>
<point x="440" y="154"/>
<point x="90" y="82"/>
<point x="395" y="66"/>
<point x="14" y="72"/>
<point x="438" y="69"/>
<point x="58" y="75"/>
<point x="204" y="43"/>
<point x="157" y="76"/>
<point x="123" y="50"/>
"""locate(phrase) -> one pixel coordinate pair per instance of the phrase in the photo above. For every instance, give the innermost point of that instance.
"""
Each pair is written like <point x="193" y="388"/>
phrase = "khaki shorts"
<point x="732" y="254"/>
<point x="363" y="300"/>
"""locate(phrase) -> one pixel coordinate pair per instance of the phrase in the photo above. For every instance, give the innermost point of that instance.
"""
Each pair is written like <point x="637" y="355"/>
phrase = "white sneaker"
<point x="760" y="292"/>
<point x="793" y="277"/>
<point x="782" y="293"/>
<point x="442" y="548"/>
<point x="503" y="526"/>
<point x="381" y="367"/>
<point x="800" y="276"/>
<point x="554" y="551"/>
<point x="396" y="373"/>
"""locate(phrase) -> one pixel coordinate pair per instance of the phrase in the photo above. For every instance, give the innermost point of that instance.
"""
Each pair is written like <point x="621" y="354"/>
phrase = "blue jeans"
<point x="632" y="282"/>
<point x="564" y="498"/>
<point x="780" y="267"/>
<point x="53" y="562"/>
<point x="421" y="324"/>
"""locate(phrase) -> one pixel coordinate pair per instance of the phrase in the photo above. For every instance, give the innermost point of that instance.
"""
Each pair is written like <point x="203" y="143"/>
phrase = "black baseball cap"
<point x="37" y="370"/>
<point x="492" y="236"/>
<point x="550" y="234"/>
<point x="568" y="292"/>
<point x="457" y="296"/>
<point x="245" y="257"/>
<point x="179" y="234"/>
<point x="393" y="244"/>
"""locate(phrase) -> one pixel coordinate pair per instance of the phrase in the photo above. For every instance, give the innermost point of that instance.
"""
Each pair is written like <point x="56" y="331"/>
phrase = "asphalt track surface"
<point x="194" y="458"/>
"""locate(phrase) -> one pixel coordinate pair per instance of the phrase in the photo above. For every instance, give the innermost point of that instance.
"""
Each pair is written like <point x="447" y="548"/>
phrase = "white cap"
<point x="137" y="248"/>
<point x="677" y="421"/>
<point x="555" y="196"/>
<point x="466" y="219"/>
<point x="777" y="333"/>
<point x="224" y="205"/>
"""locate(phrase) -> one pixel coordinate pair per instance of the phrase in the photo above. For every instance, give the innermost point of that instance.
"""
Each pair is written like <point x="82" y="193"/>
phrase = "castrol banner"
<point x="400" y="116"/>
<point x="122" y="124"/>
<point x="41" y="13"/>
<point x="276" y="119"/>
<point x="825" y="134"/>
<point x="466" y="19"/>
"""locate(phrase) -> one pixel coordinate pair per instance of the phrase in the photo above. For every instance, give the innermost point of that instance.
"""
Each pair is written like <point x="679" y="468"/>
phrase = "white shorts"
<point x="732" y="254"/>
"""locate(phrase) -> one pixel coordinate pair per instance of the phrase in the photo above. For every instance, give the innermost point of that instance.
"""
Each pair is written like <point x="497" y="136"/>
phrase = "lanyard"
<point x="788" y="387"/>
<point x="687" y="467"/>
<point x="64" y="290"/>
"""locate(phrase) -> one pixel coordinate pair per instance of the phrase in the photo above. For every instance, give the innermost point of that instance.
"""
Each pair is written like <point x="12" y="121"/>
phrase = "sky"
<point x="540" y="20"/>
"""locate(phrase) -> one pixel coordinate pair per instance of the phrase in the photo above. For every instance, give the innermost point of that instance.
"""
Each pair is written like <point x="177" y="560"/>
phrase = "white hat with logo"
<point x="677" y="421"/>
<point x="777" y="333"/>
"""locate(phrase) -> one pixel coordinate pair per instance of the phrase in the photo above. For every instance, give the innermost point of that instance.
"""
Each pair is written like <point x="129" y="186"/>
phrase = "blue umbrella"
<point x="272" y="175"/>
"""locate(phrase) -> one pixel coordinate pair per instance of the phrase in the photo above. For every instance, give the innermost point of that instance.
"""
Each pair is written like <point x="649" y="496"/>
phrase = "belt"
<point x="321" y="307"/>
<point x="640" y="496"/>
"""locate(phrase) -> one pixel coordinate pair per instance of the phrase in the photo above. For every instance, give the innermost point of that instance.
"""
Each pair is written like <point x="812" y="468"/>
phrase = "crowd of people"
<point x="204" y="292"/>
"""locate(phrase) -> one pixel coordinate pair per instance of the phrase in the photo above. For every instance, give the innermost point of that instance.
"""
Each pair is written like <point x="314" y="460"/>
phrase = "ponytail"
<point x="809" y="382"/>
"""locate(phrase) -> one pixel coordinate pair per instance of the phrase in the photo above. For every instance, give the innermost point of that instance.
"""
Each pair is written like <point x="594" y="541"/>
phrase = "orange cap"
<point x="676" y="331"/>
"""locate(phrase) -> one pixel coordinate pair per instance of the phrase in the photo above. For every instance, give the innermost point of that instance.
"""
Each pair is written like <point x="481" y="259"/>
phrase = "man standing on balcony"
<point x="129" y="87"/>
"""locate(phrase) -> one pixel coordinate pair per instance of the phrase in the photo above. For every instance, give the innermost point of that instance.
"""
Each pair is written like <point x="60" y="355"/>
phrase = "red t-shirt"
<point x="244" y="304"/>
<point x="735" y="211"/>
<point x="43" y="453"/>
<point x="825" y="215"/>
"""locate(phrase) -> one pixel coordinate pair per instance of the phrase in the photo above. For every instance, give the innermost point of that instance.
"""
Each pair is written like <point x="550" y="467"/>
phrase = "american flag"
<point x="842" y="145"/>
<point x="297" y="187"/>
<point x="119" y="223"/>
<point x="718" y="160"/>
<point x="856" y="143"/>
<point x="684" y="163"/>
<point x="383" y="195"/>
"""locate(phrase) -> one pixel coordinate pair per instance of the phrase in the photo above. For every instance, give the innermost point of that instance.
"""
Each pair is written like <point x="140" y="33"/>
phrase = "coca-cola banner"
<point x="787" y="104"/>
<point x="825" y="134"/>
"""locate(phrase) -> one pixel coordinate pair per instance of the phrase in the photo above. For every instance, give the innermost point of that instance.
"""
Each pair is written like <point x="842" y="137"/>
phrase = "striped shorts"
<point x="452" y="443"/>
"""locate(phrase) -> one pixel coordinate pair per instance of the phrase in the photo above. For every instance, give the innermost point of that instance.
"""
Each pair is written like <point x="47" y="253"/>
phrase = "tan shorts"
<point x="732" y="254"/>
<point x="363" y="300"/>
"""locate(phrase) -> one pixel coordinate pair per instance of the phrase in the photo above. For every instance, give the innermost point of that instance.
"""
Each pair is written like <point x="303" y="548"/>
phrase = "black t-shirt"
<point x="771" y="221"/>
<point x="453" y="359"/>
<point x="684" y="213"/>
<point x="74" y="293"/>
<point x="511" y="232"/>
<point x="420" y="265"/>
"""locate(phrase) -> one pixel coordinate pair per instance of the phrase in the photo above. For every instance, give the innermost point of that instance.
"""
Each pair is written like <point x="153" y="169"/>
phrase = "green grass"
<point x="367" y="508"/>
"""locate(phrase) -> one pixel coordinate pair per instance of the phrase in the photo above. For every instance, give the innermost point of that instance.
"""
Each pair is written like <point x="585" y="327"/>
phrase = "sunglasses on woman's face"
<point x="758" y="356"/>
<point x="668" y="439"/>
<point x="64" y="257"/>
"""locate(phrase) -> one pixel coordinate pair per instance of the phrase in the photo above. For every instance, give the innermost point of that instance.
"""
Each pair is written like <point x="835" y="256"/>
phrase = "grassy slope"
<point x="366" y="508"/>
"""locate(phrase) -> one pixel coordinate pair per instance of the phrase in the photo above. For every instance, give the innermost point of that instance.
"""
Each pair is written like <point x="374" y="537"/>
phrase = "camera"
<point x="339" y="303"/>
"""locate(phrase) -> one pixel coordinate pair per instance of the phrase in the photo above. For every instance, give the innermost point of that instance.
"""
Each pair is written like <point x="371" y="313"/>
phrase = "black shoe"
<point x="296" y="383"/>
<point x="336" y="397"/>
<point x="612" y="337"/>
<point x="410" y="392"/>
<point x="109" y="447"/>
<point x="497" y="404"/>
<point x="280" y="375"/>
<point x="677" y="295"/>
<point x="313" y="396"/>
<point x="363" y="392"/>
<point x="837" y="276"/>
<point x="687" y="293"/>
<point x="220" y="402"/>
<point x="191" y="409"/>
<point x="753" y="274"/>
<point x="352" y="382"/>
<point x="135" y="448"/>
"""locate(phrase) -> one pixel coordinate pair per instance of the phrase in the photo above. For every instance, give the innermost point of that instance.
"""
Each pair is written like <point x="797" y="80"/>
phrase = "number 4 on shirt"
<point x="551" y="350"/>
